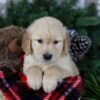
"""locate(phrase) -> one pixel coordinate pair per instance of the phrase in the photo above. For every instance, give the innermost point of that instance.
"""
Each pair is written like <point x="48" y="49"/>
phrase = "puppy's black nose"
<point x="47" y="56"/>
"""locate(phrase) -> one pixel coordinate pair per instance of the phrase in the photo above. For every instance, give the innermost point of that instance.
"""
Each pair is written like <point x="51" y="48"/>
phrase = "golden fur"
<point x="47" y="35"/>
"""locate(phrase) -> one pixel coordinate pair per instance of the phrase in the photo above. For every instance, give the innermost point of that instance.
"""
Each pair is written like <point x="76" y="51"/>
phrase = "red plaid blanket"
<point x="13" y="84"/>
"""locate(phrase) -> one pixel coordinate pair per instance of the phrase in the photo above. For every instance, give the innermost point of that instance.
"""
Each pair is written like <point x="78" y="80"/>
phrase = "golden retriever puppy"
<point x="47" y="60"/>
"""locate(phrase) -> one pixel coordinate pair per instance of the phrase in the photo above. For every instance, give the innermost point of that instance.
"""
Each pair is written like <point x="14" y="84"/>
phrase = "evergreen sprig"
<point x="92" y="87"/>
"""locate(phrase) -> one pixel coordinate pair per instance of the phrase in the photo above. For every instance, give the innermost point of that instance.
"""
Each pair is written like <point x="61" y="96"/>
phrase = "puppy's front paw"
<point x="34" y="79"/>
<point x="49" y="83"/>
<point x="35" y="82"/>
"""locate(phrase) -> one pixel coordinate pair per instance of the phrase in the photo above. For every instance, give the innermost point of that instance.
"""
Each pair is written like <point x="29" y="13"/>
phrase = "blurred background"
<point x="81" y="15"/>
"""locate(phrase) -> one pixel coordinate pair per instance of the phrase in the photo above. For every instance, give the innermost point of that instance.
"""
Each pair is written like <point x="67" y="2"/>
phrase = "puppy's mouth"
<point x="47" y="61"/>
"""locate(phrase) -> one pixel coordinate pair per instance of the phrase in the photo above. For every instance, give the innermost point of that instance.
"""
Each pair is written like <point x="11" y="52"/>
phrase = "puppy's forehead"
<point x="46" y="26"/>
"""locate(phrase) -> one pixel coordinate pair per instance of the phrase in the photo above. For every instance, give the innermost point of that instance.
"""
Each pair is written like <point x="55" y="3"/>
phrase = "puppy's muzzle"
<point x="47" y="56"/>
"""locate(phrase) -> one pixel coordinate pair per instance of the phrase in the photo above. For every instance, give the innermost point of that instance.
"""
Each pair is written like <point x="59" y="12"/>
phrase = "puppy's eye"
<point x="39" y="41"/>
<point x="56" y="42"/>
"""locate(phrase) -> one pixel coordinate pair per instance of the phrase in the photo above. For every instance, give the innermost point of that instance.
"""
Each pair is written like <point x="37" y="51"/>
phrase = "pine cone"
<point x="79" y="47"/>
<point x="73" y="33"/>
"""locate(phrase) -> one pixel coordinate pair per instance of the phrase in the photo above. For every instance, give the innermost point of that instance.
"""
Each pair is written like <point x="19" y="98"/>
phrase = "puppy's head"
<point x="46" y="39"/>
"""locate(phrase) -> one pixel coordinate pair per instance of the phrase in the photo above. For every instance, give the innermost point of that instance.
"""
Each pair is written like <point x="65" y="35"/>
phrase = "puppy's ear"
<point x="26" y="44"/>
<point x="66" y="43"/>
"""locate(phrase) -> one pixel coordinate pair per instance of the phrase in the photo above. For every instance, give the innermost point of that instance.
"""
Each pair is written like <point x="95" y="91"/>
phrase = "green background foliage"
<point x="85" y="21"/>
